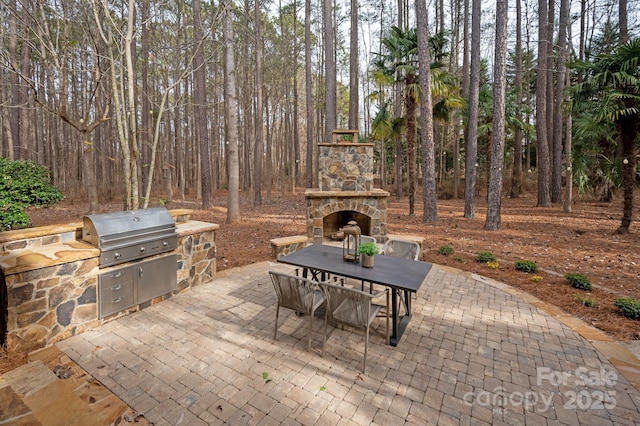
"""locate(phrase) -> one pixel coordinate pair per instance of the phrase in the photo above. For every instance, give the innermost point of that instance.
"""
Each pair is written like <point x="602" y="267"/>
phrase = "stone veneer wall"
<point x="345" y="166"/>
<point x="51" y="303"/>
<point x="370" y="203"/>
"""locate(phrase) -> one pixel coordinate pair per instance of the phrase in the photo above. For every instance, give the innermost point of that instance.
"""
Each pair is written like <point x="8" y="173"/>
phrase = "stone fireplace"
<point x="346" y="191"/>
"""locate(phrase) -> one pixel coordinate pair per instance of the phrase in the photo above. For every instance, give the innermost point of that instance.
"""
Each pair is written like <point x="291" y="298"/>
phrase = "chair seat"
<point x="318" y="299"/>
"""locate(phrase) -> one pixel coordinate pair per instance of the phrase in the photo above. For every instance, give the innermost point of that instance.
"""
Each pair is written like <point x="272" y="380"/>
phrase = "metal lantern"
<point x="351" y="242"/>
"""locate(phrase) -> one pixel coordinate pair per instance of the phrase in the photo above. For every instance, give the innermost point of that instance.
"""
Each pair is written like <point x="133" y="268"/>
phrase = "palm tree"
<point x="610" y="94"/>
<point x="399" y="62"/>
<point x="385" y="128"/>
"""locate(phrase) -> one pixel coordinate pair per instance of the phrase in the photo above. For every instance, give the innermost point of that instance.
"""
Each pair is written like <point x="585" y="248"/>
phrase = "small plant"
<point x="536" y="278"/>
<point x="589" y="302"/>
<point x="578" y="281"/>
<point x="368" y="249"/>
<point x="485" y="257"/>
<point x="493" y="264"/>
<point x="459" y="259"/>
<point x="629" y="306"/>
<point x="445" y="250"/>
<point x="528" y="266"/>
<point x="266" y="378"/>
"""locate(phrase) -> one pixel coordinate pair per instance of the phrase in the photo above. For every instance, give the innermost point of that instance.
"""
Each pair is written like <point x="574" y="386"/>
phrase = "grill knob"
<point x="117" y="255"/>
<point x="142" y="249"/>
<point x="165" y="244"/>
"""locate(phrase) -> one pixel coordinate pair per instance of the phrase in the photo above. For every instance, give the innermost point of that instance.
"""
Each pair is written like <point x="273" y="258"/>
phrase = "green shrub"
<point x="23" y="184"/>
<point x="578" y="281"/>
<point x="12" y="216"/>
<point x="589" y="302"/>
<point x="485" y="257"/>
<point x="629" y="306"/>
<point x="445" y="250"/>
<point x="528" y="266"/>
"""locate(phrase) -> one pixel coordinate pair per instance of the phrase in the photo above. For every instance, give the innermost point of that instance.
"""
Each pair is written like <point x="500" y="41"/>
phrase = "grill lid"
<point x="119" y="229"/>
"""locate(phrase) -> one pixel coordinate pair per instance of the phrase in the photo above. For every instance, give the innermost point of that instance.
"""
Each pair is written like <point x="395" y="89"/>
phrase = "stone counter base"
<point x="52" y="291"/>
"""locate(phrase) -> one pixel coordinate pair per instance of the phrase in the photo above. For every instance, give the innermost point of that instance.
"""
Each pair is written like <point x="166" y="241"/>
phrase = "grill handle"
<point x="140" y="271"/>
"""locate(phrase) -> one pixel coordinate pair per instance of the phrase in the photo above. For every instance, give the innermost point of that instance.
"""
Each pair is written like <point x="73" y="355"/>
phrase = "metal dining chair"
<point x="401" y="248"/>
<point x="298" y="294"/>
<point x="363" y="239"/>
<point x="354" y="308"/>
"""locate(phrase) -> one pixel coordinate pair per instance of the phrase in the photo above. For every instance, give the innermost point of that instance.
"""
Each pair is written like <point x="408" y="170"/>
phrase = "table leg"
<point x="394" y="318"/>
<point x="399" y="326"/>
<point x="314" y="274"/>
<point x="407" y="302"/>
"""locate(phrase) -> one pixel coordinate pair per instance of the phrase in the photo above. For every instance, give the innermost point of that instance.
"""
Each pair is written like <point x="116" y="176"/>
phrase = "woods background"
<point x="146" y="100"/>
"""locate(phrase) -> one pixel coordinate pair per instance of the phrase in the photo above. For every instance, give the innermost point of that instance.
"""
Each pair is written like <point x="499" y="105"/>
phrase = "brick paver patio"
<point x="475" y="352"/>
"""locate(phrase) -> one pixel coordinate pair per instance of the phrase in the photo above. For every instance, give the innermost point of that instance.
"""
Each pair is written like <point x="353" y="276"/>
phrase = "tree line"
<point x="148" y="100"/>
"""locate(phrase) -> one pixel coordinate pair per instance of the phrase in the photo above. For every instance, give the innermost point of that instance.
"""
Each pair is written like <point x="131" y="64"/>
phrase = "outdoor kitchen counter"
<point x="194" y="226"/>
<point x="16" y="260"/>
<point x="53" y="278"/>
<point x="30" y="258"/>
<point x="35" y="248"/>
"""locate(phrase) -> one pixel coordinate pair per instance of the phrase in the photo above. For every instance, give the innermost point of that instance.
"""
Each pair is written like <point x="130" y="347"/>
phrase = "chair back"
<point x="401" y="248"/>
<point x="363" y="239"/>
<point x="348" y="306"/>
<point x="294" y="292"/>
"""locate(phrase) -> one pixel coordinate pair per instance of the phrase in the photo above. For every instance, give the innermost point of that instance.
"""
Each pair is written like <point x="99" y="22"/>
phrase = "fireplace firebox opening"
<point x="334" y="221"/>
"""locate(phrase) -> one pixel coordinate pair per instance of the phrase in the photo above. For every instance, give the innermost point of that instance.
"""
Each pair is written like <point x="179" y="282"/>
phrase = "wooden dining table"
<point x="402" y="276"/>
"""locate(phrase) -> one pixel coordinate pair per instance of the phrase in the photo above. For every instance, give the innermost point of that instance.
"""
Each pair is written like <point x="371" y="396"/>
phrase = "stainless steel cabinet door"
<point x="156" y="277"/>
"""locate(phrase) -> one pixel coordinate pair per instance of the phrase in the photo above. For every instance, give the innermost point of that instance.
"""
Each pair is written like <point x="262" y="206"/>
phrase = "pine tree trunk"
<point x="330" y="71"/>
<point x="558" y="139"/>
<point x="544" y="196"/>
<point x="410" y="107"/>
<point x="259" y="148"/>
<point x="353" y="68"/>
<point x="471" y="135"/>
<point x="627" y="128"/>
<point x="492" y="222"/>
<point x="308" y="89"/>
<point x="427" y="143"/>
<point x="200" y="99"/>
<point x="516" y="172"/>
<point x="231" y="103"/>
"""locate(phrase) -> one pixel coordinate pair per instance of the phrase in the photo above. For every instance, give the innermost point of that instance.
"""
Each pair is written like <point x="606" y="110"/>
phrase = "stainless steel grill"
<point x="130" y="235"/>
<point x="128" y="238"/>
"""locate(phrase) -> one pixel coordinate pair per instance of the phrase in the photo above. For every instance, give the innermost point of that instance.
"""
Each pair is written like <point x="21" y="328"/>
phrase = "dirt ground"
<point x="583" y="241"/>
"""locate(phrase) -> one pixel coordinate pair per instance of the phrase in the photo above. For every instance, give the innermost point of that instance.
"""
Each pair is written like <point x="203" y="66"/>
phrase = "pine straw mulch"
<point x="552" y="288"/>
